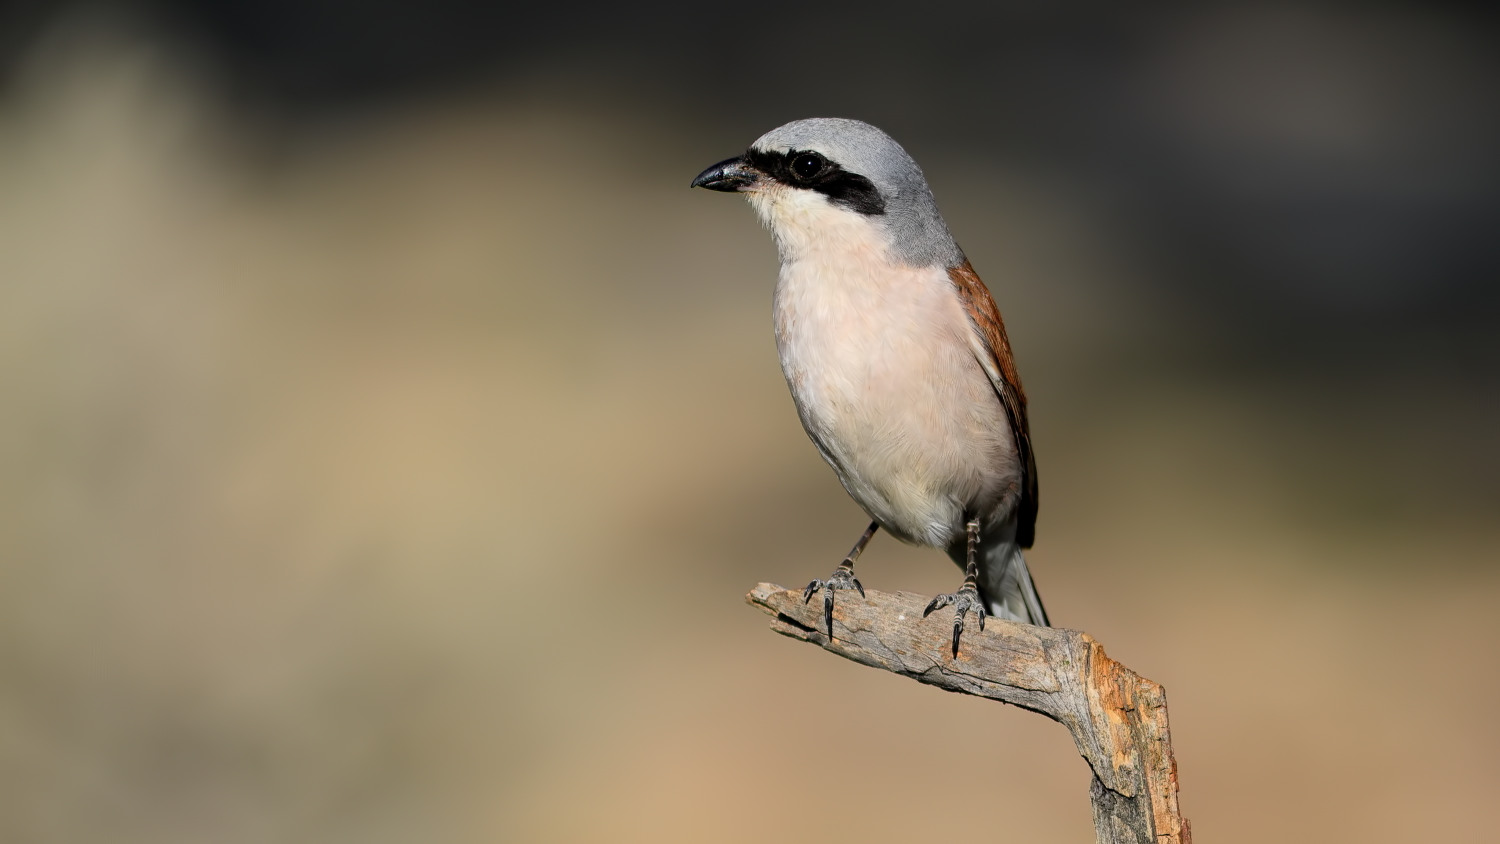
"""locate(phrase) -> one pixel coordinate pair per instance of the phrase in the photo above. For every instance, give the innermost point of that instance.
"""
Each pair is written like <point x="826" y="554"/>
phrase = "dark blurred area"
<point x="1319" y="174"/>
<point x="390" y="433"/>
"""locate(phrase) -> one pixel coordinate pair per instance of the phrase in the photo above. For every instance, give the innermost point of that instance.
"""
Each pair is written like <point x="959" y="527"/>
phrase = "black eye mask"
<point x="811" y="171"/>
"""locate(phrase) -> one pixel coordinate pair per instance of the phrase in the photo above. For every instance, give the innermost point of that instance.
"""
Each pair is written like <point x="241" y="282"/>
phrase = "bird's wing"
<point x="992" y="348"/>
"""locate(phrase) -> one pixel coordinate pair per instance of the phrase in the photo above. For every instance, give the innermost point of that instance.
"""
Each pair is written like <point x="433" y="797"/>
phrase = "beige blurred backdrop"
<point x="399" y="476"/>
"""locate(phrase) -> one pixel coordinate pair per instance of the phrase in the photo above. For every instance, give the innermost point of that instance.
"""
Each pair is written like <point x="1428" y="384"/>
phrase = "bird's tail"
<point x="1006" y="587"/>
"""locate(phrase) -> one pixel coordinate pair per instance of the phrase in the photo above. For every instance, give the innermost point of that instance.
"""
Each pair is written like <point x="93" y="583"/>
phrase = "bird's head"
<point x="829" y="179"/>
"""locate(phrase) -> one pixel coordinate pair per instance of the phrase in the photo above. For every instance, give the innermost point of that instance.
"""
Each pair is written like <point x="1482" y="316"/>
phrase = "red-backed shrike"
<point x="896" y="357"/>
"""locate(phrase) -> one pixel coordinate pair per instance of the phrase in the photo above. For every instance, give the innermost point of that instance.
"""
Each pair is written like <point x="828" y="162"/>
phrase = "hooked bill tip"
<point x="728" y="175"/>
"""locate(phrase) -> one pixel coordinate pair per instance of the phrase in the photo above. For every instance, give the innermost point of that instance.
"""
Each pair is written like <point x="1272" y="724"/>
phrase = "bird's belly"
<point x="888" y="388"/>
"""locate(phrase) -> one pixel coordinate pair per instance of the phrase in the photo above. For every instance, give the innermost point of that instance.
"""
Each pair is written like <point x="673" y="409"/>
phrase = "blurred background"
<point x="388" y="436"/>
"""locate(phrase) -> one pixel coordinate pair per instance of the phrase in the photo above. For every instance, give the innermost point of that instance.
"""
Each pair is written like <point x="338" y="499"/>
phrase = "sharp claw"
<point x="981" y="619"/>
<point x="958" y="629"/>
<point x="858" y="586"/>
<point x="828" y="611"/>
<point x="932" y="606"/>
<point x="811" y="590"/>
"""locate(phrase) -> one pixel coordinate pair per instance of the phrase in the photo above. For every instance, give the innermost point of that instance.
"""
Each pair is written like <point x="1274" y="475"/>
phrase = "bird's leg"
<point x="842" y="578"/>
<point x="967" y="597"/>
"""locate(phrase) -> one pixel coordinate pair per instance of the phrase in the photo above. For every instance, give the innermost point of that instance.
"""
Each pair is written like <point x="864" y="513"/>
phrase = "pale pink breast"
<point x="880" y="365"/>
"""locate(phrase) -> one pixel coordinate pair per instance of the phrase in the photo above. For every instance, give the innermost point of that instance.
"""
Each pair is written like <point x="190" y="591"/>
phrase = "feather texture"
<point x="992" y="348"/>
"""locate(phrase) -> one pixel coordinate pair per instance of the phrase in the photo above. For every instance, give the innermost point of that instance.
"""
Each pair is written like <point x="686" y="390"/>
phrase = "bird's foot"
<point x="963" y="600"/>
<point x="842" y="578"/>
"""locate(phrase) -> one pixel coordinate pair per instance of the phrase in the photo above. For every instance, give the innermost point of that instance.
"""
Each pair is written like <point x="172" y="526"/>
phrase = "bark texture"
<point x="1118" y="718"/>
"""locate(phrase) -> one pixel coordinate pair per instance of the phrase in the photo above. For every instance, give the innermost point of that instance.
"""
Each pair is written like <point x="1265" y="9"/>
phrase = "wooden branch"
<point x="1118" y="718"/>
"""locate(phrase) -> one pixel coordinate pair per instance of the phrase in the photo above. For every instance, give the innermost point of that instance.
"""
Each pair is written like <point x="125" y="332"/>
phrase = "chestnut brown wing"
<point x="992" y="348"/>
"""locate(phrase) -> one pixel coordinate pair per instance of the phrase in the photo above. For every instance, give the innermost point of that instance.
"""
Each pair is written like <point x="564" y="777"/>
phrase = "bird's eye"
<point x="808" y="165"/>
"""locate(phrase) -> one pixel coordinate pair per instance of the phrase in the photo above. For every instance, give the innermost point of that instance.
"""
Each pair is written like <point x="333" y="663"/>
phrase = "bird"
<point x="897" y="359"/>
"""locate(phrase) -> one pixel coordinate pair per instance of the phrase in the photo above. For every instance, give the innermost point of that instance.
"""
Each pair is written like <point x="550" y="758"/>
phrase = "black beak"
<point x="728" y="175"/>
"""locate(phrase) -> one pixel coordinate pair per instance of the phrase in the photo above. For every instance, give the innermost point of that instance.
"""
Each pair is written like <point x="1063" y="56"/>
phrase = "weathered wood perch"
<point x="1118" y="718"/>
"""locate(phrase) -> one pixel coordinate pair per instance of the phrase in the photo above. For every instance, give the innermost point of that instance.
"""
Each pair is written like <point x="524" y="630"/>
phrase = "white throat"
<point x="806" y="225"/>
